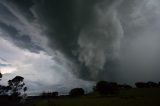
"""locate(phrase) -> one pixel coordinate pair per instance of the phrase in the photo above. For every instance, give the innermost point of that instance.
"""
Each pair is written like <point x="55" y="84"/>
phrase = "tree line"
<point x="16" y="88"/>
<point x="105" y="88"/>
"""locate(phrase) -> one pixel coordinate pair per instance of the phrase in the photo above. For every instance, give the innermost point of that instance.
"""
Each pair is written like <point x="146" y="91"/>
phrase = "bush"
<point x="50" y="94"/>
<point x="152" y="84"/>
<point x="141" y="85"/>
<point x="149" y="84"/>
<point x="76" y="92"/>
<point x="105" y="88"/>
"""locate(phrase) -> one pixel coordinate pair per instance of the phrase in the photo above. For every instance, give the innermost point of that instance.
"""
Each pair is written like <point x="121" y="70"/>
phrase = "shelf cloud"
<point x="81" y="40"/>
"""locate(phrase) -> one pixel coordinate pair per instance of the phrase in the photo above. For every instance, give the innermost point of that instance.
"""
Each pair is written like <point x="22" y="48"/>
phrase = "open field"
<point x="132" y="97"/>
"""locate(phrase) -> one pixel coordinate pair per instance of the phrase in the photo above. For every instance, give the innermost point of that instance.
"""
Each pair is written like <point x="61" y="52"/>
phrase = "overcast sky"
<point x="61" y="44"/>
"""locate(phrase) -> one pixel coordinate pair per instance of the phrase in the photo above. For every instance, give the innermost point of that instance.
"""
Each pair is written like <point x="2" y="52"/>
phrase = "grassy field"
<point x="132" y="97"/>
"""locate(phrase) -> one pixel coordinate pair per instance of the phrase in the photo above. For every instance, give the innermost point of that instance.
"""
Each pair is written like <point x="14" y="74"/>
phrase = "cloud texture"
<point x="116" y="40"/>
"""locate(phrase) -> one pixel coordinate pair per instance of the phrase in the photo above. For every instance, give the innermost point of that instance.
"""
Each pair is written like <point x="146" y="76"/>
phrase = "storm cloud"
<point x="115" y="40"/>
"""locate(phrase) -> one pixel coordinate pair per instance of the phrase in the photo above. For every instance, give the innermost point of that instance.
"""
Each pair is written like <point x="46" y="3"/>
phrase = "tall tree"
<point x="0" y="75"/>
<point x="16" y="86"/>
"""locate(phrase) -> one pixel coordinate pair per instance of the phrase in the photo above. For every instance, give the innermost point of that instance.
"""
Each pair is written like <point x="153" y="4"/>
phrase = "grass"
<point x="132" y="97"/>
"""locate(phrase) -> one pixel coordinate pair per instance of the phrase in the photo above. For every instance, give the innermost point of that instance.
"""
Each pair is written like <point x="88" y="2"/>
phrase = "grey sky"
<point x="59" y="42"/>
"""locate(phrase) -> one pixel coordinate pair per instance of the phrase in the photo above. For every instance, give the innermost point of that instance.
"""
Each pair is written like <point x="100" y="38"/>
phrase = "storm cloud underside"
<point x="115" y="40"/>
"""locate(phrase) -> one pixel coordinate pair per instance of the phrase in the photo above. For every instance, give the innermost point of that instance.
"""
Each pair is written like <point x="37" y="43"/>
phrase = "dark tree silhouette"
<point x="100" y="86"/>
<point x="0" y="75"/>
<point x="141" y="85"/>
<point x="16" y="86"/>
<point x="152" y="84"/>
<point x="25" y="89"/>
<point x="104" y="87"/>
<point x="4" y="90"/>
<point x="49" y="94"/>
<point x="149" y="84"/>
<point x="76" y="92"/>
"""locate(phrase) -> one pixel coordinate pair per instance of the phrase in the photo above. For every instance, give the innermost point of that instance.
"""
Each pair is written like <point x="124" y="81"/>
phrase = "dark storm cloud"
<point x="103" y="38"/>
<point x="12" y="27"/>
<point x="23" y="41"/>
<point x="23" y="27"/>
<point x="97" y="34"/>
<point x="24" y="6"/>
<point x="66" y="20"/>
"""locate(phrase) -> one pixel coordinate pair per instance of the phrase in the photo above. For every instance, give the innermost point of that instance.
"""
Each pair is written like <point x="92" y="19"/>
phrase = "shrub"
<point x="141" y="85"/>
<point x="146" y="85"/>
<point x="76" y="92"/>
<point x="105" y="88"/>
<point x="49" y="94"/>
<point x="152" y="84"/>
